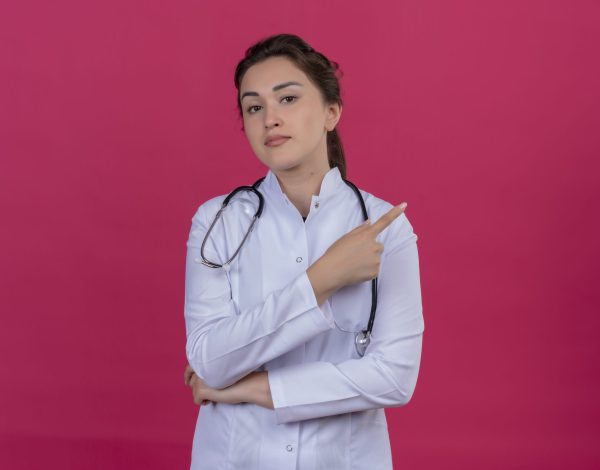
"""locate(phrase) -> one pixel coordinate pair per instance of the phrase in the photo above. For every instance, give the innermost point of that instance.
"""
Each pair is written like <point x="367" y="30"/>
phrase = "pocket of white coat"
<point x="351" y="306"/>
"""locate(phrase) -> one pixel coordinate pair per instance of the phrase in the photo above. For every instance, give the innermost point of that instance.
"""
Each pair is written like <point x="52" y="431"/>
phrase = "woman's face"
<point x="296" y="110"/>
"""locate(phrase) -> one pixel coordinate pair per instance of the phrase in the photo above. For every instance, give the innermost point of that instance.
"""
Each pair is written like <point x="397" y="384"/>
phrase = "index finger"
<point x="387" y="218"/>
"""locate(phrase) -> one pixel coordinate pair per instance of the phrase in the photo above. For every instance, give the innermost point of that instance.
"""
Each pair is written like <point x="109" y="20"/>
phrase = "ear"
<point x="334" y="112"/>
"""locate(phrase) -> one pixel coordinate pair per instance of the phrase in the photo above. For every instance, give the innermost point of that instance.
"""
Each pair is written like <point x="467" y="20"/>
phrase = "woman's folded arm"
<point x="223" y="346"/>
<point x="387" y="374"/>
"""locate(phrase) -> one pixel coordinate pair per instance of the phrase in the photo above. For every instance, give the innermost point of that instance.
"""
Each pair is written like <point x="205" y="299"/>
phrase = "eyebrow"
<point x="275" y="88"/>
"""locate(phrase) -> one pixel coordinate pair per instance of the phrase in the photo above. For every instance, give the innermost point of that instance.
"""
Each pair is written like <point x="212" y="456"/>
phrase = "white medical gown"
<point x="263" y="315"/>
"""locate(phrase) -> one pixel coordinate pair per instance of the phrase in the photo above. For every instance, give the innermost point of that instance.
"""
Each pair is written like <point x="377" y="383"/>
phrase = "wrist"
<point x="260" y="391"/>
<point x="324" y="279"/>
<point x="253" y="388"/>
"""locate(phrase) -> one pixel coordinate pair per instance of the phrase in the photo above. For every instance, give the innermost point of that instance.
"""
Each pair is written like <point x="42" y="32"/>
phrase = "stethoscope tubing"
<point x="362" y="338"/>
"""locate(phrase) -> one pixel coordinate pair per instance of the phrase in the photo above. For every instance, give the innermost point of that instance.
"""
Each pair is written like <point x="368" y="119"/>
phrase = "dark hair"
<point x="318" y="68"/>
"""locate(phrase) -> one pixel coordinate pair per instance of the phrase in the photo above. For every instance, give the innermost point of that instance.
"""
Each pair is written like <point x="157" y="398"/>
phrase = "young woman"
<point x="272" y="338"/>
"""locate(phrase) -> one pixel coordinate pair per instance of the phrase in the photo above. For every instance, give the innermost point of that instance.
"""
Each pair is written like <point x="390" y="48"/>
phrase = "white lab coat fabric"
<point x="263" y="315"/>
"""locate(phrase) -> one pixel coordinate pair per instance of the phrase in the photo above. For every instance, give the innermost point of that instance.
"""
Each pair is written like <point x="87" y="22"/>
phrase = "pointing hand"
<point x="355" y="257"/>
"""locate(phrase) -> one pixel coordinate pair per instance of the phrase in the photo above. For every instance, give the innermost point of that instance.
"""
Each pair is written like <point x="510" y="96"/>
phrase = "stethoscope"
<point x="362" y="338"/>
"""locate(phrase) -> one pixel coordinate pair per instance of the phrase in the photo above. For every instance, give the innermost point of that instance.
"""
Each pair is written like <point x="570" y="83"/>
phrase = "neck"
<point x="300" y="184"/>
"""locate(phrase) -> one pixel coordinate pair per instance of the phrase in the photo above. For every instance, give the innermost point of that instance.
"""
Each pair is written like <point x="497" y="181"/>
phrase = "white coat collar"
<point x="330" y="185"/>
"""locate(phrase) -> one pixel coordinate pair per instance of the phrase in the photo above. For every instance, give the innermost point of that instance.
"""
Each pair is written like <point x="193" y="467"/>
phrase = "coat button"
<point x="289" y="448"/>
<point x="317" y="204"/>
<point x="299" y="259"/>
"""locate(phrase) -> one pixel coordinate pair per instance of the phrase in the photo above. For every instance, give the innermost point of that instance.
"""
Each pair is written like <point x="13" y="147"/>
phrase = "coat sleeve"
<point x="386" y="375"/>
<point x="223" y="345"/>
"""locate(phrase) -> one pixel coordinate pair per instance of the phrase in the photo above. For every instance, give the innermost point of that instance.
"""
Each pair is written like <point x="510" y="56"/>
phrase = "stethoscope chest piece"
<point x="361" y="341"/>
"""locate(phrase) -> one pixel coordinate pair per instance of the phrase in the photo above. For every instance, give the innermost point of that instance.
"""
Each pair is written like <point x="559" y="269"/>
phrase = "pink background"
<point x="118" y="118"/>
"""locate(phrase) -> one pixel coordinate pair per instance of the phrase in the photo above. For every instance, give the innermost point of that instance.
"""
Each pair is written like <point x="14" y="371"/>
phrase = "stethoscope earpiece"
<point x="226" y="267"/>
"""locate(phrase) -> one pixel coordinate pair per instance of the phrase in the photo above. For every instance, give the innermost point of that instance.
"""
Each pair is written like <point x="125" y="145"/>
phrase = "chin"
<point x="282" y="162"/>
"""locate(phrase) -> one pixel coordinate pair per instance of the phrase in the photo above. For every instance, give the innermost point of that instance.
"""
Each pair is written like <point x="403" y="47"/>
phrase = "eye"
<point x="290" y="96"/>
<point x="250" y="108"/>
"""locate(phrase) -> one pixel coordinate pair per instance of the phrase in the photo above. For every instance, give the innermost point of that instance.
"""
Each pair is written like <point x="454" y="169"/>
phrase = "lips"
<point x="275" y="141"/>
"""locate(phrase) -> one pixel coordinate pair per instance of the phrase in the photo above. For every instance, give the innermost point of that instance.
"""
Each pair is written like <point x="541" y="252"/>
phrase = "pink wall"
<point x="117" y="119"/>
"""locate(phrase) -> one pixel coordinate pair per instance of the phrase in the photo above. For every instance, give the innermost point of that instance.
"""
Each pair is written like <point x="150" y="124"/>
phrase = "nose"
<point x="271" y="117"/>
